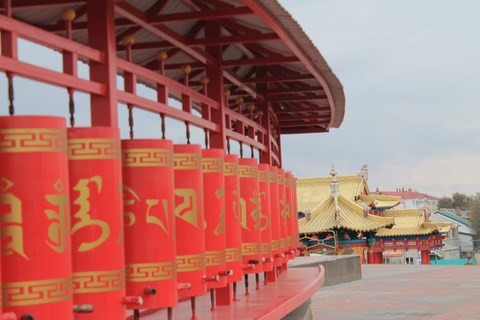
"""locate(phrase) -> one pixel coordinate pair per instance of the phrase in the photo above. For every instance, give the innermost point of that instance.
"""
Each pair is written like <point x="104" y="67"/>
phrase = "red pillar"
<point x="378" y="257"/>
<point x="371" y="257"/>
<point x="425" y="256"/>
<point x="101" y="36"/>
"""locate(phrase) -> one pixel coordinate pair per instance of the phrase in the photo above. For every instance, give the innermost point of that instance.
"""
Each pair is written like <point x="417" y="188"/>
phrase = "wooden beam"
<point x="298" y="98"/>
<point x="279" y="110"/>
<point x="302" y="130"/>
<point x="138" y="17"/>
<point x="298" y="124"/>
<point x="259" y="61"/>
<point x="292" y="90"/>
<point x="233" y="39"/>
<point x="200" y="15"/>
<point x="287" y="78"/>
<point x="297" y="117"/>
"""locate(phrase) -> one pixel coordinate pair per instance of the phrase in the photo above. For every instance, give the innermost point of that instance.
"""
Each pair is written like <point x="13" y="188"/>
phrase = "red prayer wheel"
<point x="296" y="238"/>
<point x="97" y="225"/>
<point x="233" y="219"/>
<point x="275" y="217"/>
<point x="35" y="224"/>
<point x="284" y="213"/>
<point x="189" y="219"/>
<point x="288" y="197"/>
<point x="148" y="203"/>
<point x="214" y="209"/>
<point x="27" y="144"/>
<point x="250" y="213"/>
<point x="265" y="216"/>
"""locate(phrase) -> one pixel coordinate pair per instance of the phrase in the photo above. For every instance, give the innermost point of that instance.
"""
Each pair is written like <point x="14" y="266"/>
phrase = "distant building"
<point x="461" y="235"/>
<point x="411" y="199"/>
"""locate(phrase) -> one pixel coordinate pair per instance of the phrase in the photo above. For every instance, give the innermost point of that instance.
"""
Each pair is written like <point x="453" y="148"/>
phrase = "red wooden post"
<point x="275" y="223"/>
<point x="425" y="256"/>
<point x="101" y="36"/>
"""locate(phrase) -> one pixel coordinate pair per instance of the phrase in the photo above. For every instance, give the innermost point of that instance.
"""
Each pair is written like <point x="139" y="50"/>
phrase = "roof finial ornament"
<point x="363" y="173"/>
<point x="334" y="182"/>
<point x="334" y="186"/>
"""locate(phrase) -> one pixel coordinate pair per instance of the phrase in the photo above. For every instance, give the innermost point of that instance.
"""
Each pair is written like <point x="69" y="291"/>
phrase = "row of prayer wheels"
<point x="91" y="225"/>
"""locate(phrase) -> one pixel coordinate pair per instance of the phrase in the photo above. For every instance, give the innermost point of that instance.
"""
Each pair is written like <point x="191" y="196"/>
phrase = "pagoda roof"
<point x="341" y="213"/>
<point x="378" y="201"/>
<point x="409" y="222"/>
<point x="304" y="93"/>
<point x="311" y="192"/>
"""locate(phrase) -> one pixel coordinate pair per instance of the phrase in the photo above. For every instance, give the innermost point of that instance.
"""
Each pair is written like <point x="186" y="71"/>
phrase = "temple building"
<point x="341" y="216"/>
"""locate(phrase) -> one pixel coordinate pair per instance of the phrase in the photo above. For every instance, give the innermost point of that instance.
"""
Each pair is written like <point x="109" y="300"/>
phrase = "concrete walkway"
<point x="403" y="292"/>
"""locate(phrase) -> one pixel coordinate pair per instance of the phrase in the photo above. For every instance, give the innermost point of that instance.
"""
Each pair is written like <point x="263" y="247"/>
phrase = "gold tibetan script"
<point x="57" y="231"/>
<point x="186" y="208"/>
<point x="255" y="213"/>
<point x="220" y="228"/>
<point x="131" y="197"/>
<point x="11" y="221"/>
<point x="85" y="220"/>
<point x="285" y="213"/>
<point x="264" y="220"/>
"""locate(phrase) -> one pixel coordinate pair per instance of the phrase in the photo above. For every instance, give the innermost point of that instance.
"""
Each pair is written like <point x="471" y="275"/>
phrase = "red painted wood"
<point x="271" y="302"/>
<point x="101" y="36"/>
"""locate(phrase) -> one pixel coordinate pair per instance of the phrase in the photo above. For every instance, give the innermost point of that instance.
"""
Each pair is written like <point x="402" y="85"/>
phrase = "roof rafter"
<point x="200" y="15"/>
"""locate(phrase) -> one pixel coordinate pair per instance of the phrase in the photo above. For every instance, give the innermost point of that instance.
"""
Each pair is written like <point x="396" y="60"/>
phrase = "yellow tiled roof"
<point x="313" y="191"/>
<point x="348" y="216"/>
<point x="379" y="200"/>
<point x="410" y="222"/>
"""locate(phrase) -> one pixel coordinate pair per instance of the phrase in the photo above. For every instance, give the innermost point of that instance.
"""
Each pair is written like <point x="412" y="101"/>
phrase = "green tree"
<point x="460" y="200"/>
<point x="445" y="202"/>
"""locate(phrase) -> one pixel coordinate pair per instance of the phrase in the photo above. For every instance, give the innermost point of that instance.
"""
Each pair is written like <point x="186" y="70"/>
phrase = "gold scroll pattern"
<point x="32" y="140"/>
<point x="212" y="165"/>
<point x="233" y="254"/>
<point x="276" y="245"/>
<point x="187" y="161"/>
<point x="250" y="248"/>
<point x="263" y="176"/>
<point x="214" y="258"/>
<point x="98" y="281"/>
<point x="266" y="248"/>
<point x="231" y="169"/>
<point x="193" y="262"/>
<point x="140" y="272"/>
<point x="36" y="292"/>
<point x="273" y="177"/>
<point x="280" y="178"/>
<point x="147" y="157"/>
<point x="89" y="149"/>
<point x="283" y="243"/>
<point x="247" y="171"/>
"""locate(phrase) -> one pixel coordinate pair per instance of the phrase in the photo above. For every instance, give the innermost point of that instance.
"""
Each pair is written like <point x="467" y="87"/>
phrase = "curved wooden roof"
<point x="265" y="55"/>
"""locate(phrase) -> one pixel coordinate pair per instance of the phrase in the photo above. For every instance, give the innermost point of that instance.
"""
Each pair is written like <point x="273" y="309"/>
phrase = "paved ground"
<point x="403" y="292"/>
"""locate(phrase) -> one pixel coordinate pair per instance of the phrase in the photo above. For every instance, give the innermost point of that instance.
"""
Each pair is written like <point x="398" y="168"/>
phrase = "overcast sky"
<point x="411" y="75"/>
